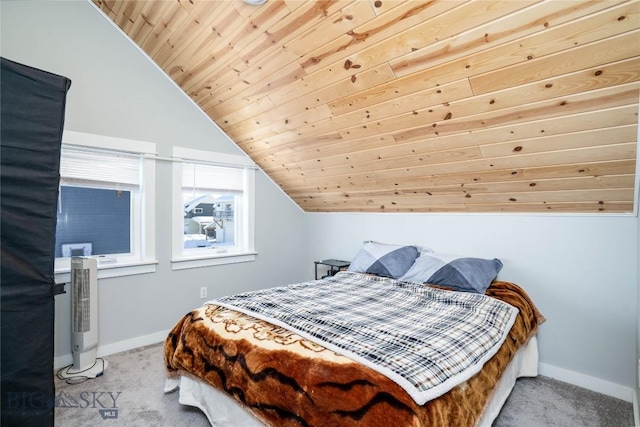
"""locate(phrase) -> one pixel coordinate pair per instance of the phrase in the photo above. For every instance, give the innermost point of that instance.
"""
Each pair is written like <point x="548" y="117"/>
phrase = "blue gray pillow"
<point x="384" y="260"/>
<point x="462" y="274"/>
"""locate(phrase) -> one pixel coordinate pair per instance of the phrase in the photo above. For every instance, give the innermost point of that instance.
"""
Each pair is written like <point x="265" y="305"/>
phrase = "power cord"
<point x="76" y="378"/>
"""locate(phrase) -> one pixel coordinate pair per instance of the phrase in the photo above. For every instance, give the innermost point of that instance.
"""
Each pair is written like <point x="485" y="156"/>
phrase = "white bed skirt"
<point x="523" y="364"/>
<point x="224" y="411"/>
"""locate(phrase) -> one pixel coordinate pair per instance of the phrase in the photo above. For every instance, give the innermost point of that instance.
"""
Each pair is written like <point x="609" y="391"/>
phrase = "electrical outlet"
<point x="203" y="292"/>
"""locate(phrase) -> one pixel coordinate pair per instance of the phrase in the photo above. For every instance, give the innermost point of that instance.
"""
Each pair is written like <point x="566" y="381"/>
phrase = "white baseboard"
<point x="117" y="347"/>
<point x="590" y="383"/>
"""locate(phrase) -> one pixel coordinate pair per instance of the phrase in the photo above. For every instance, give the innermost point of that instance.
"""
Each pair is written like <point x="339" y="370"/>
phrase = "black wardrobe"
<point x="32" y="107"/>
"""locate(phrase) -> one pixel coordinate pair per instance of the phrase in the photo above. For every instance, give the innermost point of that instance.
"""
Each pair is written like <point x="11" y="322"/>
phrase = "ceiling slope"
<point x="414" y="106"/>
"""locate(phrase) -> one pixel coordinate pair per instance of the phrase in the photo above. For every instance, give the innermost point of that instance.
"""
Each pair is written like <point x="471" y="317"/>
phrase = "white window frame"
<point x="193" y="258"/>
<point x="143" y="256"/>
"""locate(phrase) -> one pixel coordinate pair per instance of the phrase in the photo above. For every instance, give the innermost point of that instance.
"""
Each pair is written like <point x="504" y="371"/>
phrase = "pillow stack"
<point x="421" y="265"/>
<point x="461" y="274"/>
<point x="384" y="260"/>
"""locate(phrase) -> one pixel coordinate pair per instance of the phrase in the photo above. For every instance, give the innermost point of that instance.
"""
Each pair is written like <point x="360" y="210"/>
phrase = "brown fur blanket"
<point x="286" y="380"/>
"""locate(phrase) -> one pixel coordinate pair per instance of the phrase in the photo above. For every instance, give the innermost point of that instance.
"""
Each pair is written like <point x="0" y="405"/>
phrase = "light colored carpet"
<point x="130" y="393"/>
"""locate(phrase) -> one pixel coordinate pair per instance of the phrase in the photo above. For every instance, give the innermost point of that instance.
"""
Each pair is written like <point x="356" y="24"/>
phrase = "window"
<point x="213" y="208"/>
<point x="105" y="204"/>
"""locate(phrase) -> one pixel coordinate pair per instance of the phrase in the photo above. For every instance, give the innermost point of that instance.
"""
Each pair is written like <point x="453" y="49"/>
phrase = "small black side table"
<point x="335" y="265"/>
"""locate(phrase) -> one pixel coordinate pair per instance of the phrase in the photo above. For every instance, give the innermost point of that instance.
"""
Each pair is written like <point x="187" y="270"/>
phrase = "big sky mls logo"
<point x="104" y="401"/>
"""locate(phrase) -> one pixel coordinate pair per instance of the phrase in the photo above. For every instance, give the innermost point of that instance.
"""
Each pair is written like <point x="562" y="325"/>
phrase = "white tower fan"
<point x="84" y="320"/>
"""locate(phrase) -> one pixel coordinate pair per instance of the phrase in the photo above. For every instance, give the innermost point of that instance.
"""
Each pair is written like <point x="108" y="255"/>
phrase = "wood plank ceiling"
<point x="414" y="106"/>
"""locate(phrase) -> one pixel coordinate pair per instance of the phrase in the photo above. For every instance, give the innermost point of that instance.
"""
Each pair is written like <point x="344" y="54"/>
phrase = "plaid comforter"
<point x="426" y="340"/>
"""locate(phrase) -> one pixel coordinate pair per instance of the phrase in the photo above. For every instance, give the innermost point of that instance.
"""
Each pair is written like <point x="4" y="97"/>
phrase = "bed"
<point x="318" y="353"/>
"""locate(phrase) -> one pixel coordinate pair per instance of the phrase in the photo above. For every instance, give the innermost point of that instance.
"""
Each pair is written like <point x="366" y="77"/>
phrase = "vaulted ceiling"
<point x="414" y="106"/>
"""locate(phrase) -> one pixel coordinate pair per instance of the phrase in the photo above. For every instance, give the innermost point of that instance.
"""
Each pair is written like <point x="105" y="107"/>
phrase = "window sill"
<point x="200" y="260"/>
<point x="107" y="270"/>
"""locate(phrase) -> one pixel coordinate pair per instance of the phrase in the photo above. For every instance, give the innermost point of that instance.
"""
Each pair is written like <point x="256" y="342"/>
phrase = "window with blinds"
<point x="106" y="204"/>
<point x="99" y="192"/>
<point x="215" y="196"/>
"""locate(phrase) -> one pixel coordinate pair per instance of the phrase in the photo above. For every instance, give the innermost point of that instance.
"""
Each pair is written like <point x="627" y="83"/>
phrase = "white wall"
<point x="636" y="401"/>
<point x="117" y="91"/>
<point x="581" y="272"/>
